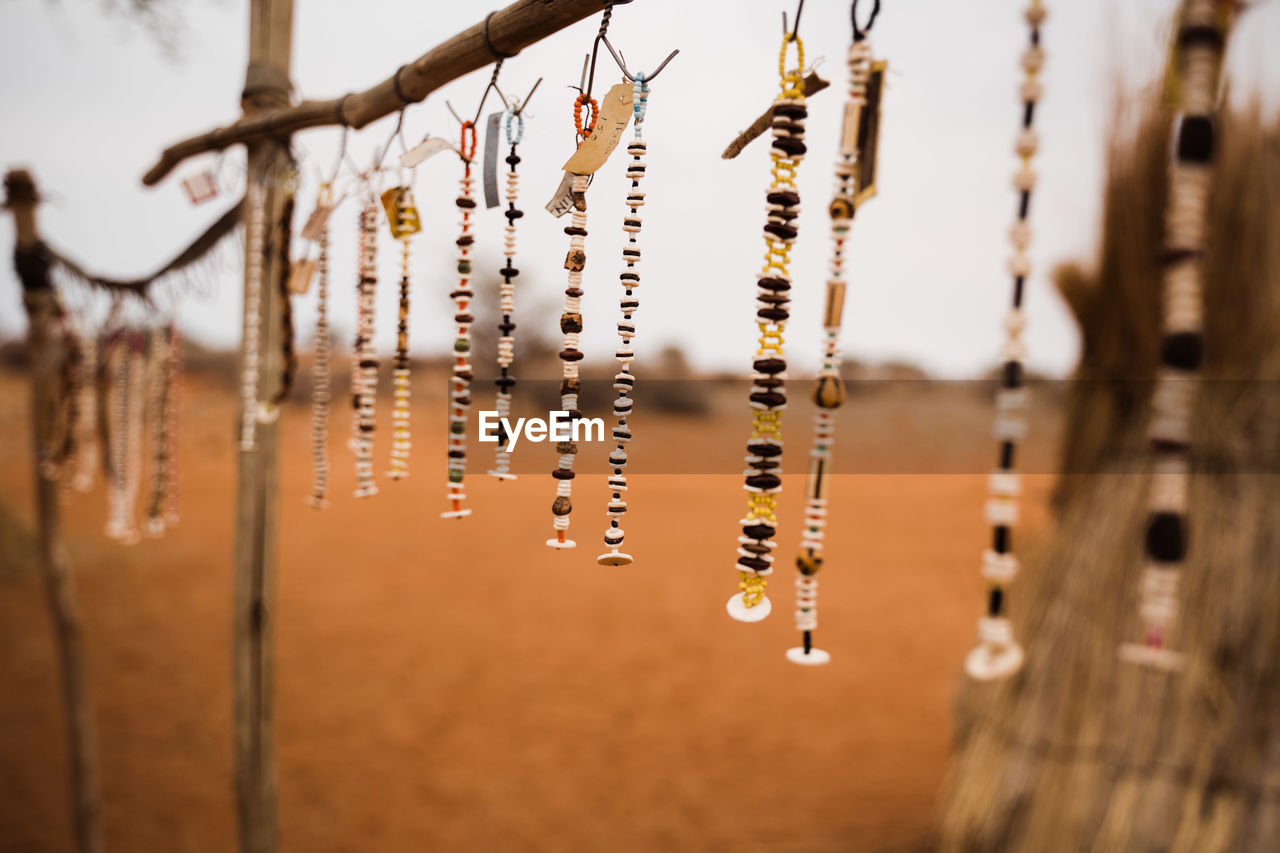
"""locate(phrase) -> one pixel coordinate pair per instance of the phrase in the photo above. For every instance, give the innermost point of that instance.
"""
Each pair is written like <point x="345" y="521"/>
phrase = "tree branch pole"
<point x="512" y="29"/>
<point x="266" y="88"/>
<point x="44" y="345"/>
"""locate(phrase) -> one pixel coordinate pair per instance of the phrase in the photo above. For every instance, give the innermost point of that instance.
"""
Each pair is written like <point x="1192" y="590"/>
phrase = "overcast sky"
<point x="90" y="99"/>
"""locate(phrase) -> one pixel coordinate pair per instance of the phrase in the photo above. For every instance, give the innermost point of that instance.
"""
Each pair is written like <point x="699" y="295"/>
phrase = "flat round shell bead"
<point x="990" y="662"/>
<point x="615" y="558"/>
<point x="813" y="657"/>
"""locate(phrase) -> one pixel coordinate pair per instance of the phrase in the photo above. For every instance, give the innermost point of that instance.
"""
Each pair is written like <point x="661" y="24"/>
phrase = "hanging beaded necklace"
<point x="1201" y="41"/>
<point x="365" y="370"/>
<point x="624" y="381"/>
<point x="855" y="177"/>
<point x="157" y="422"/>
<point x="254" y="240"/>
<point x="998" y="654"/>
<point x="571" y="326"/>
<point x="173" y="419"/>
<point x="507" y="293"/>
<point x="85" y="461"/>
<point x="321" y="394"/>
<point x="403" y="218"/>
<point x="460" y="382"/>
<point x="768" y="394"/>
<point x="135" y="403"/>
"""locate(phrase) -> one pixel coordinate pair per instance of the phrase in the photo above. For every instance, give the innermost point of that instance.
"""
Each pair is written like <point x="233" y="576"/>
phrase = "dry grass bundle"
<point x="1081" y="751"/>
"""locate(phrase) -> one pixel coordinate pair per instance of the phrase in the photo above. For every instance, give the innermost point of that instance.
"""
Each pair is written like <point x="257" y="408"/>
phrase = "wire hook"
<point x="492" y="84"/>
<point x="622" y="64"/>
<point x="342" y="153"/>
<point x="791" y="36"/>
<point x="520" y="105"/>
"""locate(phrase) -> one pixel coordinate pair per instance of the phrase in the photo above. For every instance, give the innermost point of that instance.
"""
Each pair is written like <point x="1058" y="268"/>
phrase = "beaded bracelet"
<point x="364" y="375"/>
<point x="768" y="393"/>
<point x="570" y="386"/>
<point x="403" y="217"/>
<point x="624" y="381"/>
<point x="507" y="295"/>
<point x="1201" y="42"/>
<point x="460" y="382"/>
<point x="255" y="237"/>
<point x="321" y="393"/>
<point x="997" y="654"/>
<point x="854" y="176"/>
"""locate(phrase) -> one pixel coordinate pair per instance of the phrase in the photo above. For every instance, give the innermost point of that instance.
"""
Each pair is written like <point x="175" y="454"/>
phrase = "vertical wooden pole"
<point x="44" y="333"/>
<point x="267" y="86"/>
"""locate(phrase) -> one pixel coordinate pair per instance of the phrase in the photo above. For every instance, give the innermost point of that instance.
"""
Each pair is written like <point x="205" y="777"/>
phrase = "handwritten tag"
<point x="492" y="130"/>
<point x="316" y="223"/>
<point x="428" y="147"/>
<point x="300" y="276"/>
<point x="562" y="202"/>
<point x="615" y="113"/>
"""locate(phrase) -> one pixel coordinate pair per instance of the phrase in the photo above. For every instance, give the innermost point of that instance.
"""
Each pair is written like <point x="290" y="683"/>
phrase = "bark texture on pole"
<point x="1082" y="751"/>
<point x="46" y="353"/>
<point x="512" y="29"/>
<point x="257" y="500"/>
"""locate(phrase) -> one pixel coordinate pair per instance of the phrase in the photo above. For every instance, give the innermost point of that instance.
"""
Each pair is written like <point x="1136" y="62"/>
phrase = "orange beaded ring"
<point x="468" y="135"/>
<point x="577" y="115"/>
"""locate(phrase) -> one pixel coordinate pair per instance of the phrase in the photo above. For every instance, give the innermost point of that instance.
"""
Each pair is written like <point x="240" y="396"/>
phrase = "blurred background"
<point x="458" y="685"/>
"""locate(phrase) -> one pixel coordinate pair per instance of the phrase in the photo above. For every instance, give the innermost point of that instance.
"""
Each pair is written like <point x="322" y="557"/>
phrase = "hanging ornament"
<point x="321" y="393"/>
<point x="116" y="361"/>
<point x="855" y="181"/>
<point x="629" y="304"/>
<point x="129" y="404"/>
<point x="460" y="382"/>
<point x="997" y="654"/>
<point x="172" y="400"/>
<point x="1196" y="67"/>
<point x="364" y="373"/>
<point x="83" y="425"/>
<point x="157" y="384"/>
<point x="768" y="392"/>
<point x="255" y="239"/>
<point x="404" y="222"/>
<point x="507" y="294"/>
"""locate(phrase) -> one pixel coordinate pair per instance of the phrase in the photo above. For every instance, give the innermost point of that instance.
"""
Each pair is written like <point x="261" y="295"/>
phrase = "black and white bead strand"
<point x="1202" y="39"/>
<point x="998" y="654"/>
<point x="624" y="381"/>
<point x="514" y="127"/>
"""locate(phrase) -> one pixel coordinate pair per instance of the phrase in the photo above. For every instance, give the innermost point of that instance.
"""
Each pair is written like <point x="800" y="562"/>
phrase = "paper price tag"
<point x="300" y="276"/>
<point x="314" y="227"/>
<point x="615" y="113"/>
<point x="426" y="148"/>
<point x="562" y="202"/>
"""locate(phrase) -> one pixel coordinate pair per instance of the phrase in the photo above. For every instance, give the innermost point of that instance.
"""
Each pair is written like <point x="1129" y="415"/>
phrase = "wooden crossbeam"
<point x="512" y="29"/>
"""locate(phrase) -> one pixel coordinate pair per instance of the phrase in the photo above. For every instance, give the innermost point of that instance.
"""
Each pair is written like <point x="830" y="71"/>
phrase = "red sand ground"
<point x="458" y="686"/>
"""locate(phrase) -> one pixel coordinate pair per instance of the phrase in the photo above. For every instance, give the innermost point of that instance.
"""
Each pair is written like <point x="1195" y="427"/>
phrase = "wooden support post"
<point x="267" y="87"/>
<point x="45" y="351"/>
